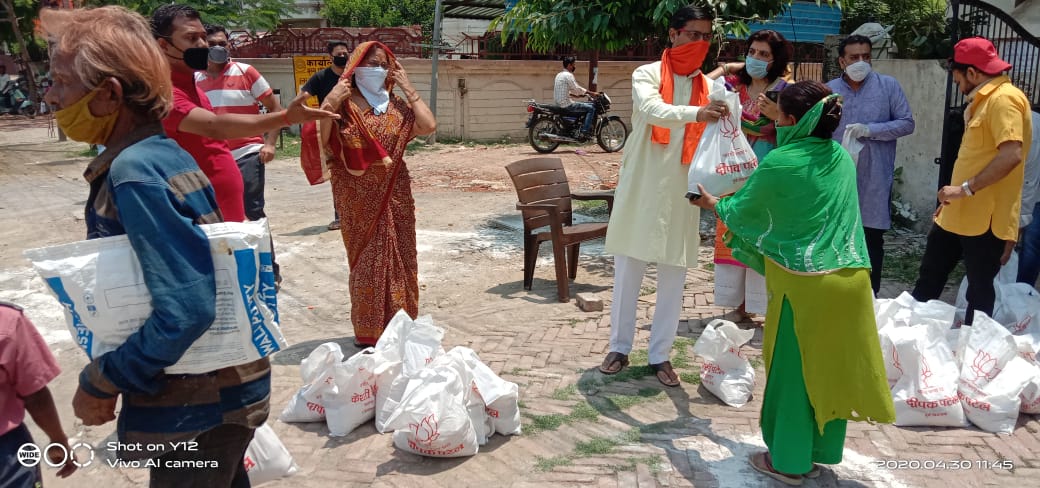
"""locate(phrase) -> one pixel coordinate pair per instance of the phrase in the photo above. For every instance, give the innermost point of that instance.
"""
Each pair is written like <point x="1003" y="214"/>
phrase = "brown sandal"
<point x="666" y="368"/>
<point x="613" y="358"/>
<point x="763" y="464"/>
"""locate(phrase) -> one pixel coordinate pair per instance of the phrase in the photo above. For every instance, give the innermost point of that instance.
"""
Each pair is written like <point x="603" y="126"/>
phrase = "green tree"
<point x="251" y="15"/>
<point x="611" y="25"/>
<point x="380" y="13"/>
<point x="26" y="13"/>
<point x="921" y="29"/>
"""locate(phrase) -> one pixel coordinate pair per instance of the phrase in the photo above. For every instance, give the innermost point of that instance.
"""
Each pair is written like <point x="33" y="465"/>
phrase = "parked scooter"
<point x="14" y="98"/>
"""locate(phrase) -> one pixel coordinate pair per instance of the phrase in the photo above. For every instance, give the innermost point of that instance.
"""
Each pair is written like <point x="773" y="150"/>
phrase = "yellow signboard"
<point x="304" y="67"/>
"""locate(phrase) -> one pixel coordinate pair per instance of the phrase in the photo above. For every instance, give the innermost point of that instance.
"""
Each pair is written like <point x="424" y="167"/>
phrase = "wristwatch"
<point x="967" y="188"/>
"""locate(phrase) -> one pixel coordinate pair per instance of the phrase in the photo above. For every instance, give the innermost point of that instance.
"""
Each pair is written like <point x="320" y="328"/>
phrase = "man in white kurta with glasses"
<point x="652" y="221"/>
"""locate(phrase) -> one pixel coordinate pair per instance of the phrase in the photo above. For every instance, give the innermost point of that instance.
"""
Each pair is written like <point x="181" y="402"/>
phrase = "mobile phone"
<point x="773" y="95"/>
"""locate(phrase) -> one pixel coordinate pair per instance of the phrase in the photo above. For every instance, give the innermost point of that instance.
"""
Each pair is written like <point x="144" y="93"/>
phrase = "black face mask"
<point x="339" y="61"/>
<point x="195" y="57"/>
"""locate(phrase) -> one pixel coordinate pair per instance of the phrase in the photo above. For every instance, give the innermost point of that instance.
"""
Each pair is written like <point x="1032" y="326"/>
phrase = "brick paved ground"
<point x="582" y="428"/>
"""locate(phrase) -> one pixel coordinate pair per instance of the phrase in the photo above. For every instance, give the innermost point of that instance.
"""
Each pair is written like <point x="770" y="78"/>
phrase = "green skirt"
<point x="788" y="419"/>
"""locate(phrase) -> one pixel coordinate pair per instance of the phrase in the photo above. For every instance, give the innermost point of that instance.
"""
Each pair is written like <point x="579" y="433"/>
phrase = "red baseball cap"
<point x="980" y="53"/>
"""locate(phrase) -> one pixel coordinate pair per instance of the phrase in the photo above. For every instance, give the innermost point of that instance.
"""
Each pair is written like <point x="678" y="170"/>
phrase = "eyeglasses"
<point x="697" y="35"/>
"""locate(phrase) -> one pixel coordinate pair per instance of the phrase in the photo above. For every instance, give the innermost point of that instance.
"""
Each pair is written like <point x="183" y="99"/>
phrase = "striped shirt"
<point x="236" y="91"/>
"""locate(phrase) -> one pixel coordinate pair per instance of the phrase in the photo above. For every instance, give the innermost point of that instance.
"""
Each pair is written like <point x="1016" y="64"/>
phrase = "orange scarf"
<point x="684" y="60"/>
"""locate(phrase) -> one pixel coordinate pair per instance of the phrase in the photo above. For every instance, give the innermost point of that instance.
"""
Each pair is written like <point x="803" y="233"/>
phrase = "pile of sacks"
<point x="439" y="404"/>
<point x="942" y="374"/>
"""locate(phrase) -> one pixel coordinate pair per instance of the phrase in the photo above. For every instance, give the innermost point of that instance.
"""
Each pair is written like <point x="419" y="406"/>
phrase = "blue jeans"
<point x="590" y="113"/>
<point x="1029" y="254"/>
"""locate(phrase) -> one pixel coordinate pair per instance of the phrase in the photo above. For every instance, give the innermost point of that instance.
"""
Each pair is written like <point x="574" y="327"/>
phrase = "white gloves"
<point x="857" y="131"/>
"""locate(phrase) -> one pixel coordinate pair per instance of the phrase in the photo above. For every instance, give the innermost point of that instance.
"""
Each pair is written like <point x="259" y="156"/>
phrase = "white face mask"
<point x="372" y="83"/>
<point x="858" y="71"/>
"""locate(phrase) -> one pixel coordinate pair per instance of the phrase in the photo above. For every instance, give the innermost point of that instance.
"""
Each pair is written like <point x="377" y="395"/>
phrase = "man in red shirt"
<point x="236" y="88"/>
<point x="191" y="121"/>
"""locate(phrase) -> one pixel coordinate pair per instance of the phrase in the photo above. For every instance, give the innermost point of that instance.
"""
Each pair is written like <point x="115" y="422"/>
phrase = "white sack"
<point x="1008" y="274"/>
<point x="990" y="378"/>
<point x="300" y="409"/>
<point x="432" y="418"/>
<point x="724" y="159"/>
<point x="995" y="407"/>
<point x="501" y="397"/>
<point x="351" y="399"/>
<point x="926" y="393"/>
<point x="725" y="371"/>
<point x="100" y="284"/>
<point x="266" y="458"/>
<point x="1030" y="396"/>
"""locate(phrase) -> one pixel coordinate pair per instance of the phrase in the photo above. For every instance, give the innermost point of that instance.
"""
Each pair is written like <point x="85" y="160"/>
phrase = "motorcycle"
<point x="549" y="126"/>
<point x="14" y="98"/>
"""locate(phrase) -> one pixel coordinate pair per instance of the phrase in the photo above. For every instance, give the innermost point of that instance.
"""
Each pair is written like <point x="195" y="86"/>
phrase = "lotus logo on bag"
<point x="926" y="373"/>
<point x="984" y="366"/>
<point x="728" y="128"/>
<point x="425" y="432"/>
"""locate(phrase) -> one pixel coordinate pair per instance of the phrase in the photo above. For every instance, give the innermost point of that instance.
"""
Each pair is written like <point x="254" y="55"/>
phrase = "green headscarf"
<point x="800" y="207"/>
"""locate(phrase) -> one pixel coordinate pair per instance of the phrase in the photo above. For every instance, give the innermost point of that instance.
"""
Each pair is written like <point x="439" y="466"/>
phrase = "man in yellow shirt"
<point x="979" y="211"/>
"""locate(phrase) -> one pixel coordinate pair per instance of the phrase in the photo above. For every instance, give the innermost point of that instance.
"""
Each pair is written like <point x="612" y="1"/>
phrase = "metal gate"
<point x="1014" y="44"/>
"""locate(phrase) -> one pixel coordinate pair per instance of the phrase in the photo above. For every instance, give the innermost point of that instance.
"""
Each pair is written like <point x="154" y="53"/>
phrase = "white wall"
<point x="924" y="83"/>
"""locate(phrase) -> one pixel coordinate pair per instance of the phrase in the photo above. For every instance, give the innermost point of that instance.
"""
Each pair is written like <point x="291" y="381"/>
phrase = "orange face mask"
<point x="689" y="57"/>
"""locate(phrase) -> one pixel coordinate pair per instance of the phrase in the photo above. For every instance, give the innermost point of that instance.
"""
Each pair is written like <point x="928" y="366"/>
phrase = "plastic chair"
<point x="545" y="200"/>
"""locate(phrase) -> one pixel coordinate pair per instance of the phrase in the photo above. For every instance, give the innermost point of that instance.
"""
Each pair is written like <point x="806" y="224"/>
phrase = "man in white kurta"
<point x="652" y="221"/>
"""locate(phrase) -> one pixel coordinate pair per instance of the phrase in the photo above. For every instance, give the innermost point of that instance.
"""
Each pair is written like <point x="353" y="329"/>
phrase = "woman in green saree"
<point x="797" y="222"/>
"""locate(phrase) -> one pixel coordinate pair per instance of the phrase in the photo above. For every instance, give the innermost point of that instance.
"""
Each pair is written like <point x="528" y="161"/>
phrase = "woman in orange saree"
<point x="371" y="185"/>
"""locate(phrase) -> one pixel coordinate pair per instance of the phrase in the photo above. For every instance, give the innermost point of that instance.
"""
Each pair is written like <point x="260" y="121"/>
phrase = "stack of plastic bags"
<point x="436" y="403"/>
<point x="942" y="374"/>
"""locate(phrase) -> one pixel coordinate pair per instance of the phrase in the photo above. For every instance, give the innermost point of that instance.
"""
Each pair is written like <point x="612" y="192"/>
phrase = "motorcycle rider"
<point x="565" y="86"/>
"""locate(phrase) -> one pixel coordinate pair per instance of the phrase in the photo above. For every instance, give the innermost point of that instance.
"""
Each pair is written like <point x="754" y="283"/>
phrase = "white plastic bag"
<point x="992" y="376"/>
<point x="386" y="373"/>
<point x="995" y="407"/>
<point x="300" y="409"/>
<point x="316" y="371"/>
<point x="1018" y="308"/>
<point x="456" y="359"/>
<point x="926" y="393"/>
<point x="1030" y="396"/>
<point x="724" y="159"/>
<point x="101" y="286"/>
<point x="1008" y="274"/>
<point x="852" y="145"/>
<point x="725" y="371"/>
<point x="412" y="343"/>
<point x="266" y="458"/>
<point x="432" y="418"/>
<point x="501" y="397"/>
<point x="351" y="399"/>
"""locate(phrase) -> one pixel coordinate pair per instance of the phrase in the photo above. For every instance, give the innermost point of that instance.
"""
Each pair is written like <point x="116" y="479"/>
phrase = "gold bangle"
<point x="415" y="99"/>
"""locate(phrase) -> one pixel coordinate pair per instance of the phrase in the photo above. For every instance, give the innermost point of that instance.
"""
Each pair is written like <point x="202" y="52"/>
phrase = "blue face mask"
<point x="756" y="68"/>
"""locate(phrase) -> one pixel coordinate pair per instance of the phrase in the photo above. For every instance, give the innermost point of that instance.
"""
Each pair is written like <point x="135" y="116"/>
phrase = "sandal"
<point x="666" y="368"/>
<point x="760" y="462"/>
<point x="621" y="360"/>
<point x="815" y="472"/>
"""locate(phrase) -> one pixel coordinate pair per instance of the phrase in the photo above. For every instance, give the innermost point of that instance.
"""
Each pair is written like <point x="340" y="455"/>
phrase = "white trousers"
<point x="628" y="279"/>
<point x="736" y="285"/>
